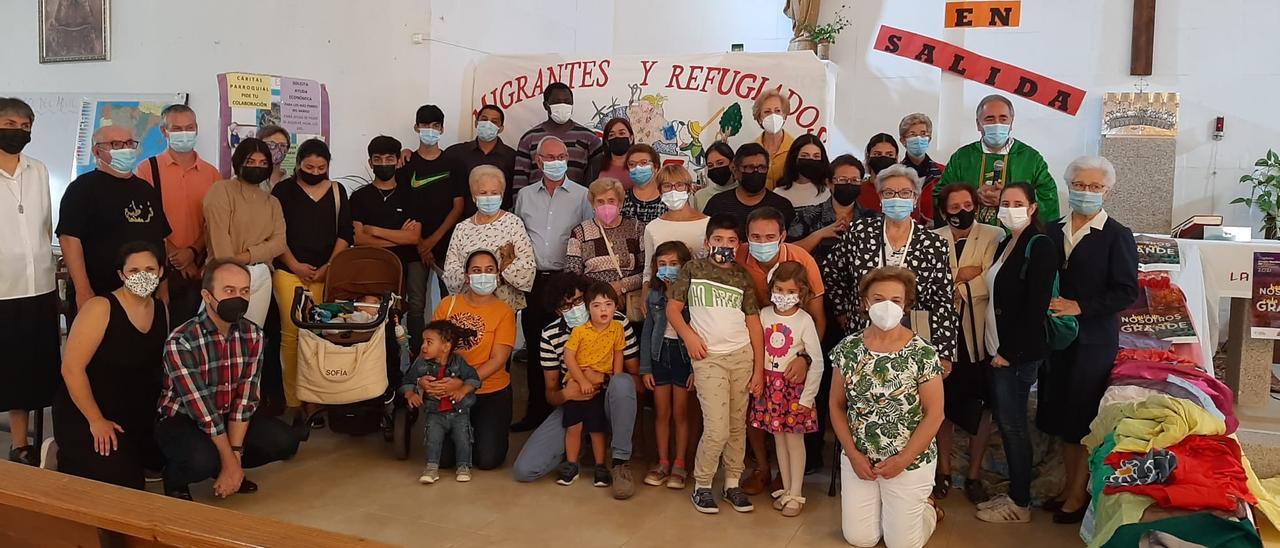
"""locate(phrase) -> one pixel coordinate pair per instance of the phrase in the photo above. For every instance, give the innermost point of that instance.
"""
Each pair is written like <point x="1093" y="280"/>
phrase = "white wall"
<point x="1216" y="54"/>
<point x="668" y="27"/>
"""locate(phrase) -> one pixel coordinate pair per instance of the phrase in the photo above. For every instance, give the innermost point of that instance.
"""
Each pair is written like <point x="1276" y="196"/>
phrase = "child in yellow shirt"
<point x="592" y="354"/>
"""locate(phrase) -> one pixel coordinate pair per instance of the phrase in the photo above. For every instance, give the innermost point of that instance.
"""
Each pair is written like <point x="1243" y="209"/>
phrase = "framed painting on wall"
<point x="75" y="30"/>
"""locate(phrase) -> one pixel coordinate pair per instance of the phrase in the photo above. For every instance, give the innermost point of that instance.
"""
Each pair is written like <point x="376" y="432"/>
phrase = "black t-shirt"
<point x="727" y="202"/>
<point x="106" y="212"/>
<point x="388" y="209"/>
<point x="467" y="156"/>
<point x="312" y="228"/>
<point x="432" y="186"/>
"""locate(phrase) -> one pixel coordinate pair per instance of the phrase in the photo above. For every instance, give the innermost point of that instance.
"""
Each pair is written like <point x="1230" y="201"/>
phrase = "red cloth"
<point x="1152" y="355"/>
<point x="1209" y="476"/>
<point x="446" y="403"/>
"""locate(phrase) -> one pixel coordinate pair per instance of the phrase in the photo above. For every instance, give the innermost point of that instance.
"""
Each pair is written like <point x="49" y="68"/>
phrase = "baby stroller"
<point x="352" y="368"/>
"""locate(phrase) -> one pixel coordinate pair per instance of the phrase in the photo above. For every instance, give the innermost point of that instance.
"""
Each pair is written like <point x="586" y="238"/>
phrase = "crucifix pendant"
<point x="21" y="210"/>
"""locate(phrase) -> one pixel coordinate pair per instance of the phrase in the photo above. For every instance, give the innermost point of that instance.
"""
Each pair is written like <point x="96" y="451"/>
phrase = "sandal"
<point x="793" y="506"/>
<point x="677" y="478"/>
<point x="657" y="476"/>
<point x="942" y="514"/>
<point x="779" y="498"/>
<point x="941" y="486"/>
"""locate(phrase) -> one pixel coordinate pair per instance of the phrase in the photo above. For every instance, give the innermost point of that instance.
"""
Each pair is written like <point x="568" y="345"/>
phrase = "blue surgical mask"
<point x="766" y="251"/>
<point x="668" y="273"/>
<point x="554" y="170"/>
<point x="486" y="131"/>
<point x="429" y="136"/>
<point x="917" y="146"/>
<point x="1085" y="202"/>
<point x="575" y="316"/>
<point x="182" y="141"/>
<point x="484" y="284"/>
<point x="641" y="175"/>
<point x="995" y="135"/>
<point x="124" y="160"/>
<point x="488" y="204"/>
<point x="898" y="209"/>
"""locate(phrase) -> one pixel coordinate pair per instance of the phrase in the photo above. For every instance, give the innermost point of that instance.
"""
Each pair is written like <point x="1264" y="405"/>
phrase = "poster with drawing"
<point x="251" y="101"/>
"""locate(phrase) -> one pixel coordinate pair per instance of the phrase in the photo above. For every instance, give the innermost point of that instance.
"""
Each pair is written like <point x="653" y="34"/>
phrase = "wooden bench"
<point x="48" y="509"/>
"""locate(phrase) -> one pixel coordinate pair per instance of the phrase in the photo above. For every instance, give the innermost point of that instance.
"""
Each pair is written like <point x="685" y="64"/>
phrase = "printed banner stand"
<point x="1264" y="315"/>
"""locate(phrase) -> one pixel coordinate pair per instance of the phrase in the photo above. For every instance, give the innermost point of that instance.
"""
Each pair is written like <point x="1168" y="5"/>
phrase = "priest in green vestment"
<point x="997" y="159"/>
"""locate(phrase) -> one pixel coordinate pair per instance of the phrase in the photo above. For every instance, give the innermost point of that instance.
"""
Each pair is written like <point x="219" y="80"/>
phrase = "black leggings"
<point x="533" y="319"/>
<point x="490" y="422"/>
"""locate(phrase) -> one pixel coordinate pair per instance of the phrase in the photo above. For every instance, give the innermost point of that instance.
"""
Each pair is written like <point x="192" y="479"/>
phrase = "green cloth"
<point x="1107" y="513"/>
<point x="1023" y="164"/>
<point x="1201" y="528"/>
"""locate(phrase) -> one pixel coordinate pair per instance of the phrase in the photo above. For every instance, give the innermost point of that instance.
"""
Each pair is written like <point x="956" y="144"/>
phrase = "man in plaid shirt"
<point x="213" y="368"/>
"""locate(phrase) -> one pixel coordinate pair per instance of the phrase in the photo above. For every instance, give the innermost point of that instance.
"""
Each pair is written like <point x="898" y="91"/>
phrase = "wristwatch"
<point x="808" y="360"/>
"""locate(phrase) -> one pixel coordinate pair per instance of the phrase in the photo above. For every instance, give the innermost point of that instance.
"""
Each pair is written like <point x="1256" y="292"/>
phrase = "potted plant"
<point x="1265" y="194"/>
<point x="825" y="34"/>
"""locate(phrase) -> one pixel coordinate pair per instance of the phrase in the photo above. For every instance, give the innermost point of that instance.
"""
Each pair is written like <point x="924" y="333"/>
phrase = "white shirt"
<point x="1002" y="150"/>
<point x="992" y="336"/>
<point x="27" y="267"/>
<point x="1070" y="238"/>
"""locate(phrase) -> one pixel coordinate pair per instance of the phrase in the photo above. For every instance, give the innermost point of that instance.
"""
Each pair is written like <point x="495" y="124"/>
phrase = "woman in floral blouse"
<point x="886" y="408"/>
<point x="607" y="248"/>
<point x="496" y="231"/>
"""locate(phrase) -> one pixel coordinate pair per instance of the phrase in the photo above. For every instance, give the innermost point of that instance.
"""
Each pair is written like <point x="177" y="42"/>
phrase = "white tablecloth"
<point x="1213" y="270"/>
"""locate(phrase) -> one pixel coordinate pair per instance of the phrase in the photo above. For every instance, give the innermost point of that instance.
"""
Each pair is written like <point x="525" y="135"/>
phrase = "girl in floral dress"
<point x="786" y="408"/>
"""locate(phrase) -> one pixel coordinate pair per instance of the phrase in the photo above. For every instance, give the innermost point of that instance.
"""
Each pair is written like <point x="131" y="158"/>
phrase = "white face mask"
<point x="675" y="199"/>
<point x="885" y="315"/>
<point x="773" y="123"/>
<point x="1014" y="218"/>
<point x="784" y="301"/>
<point x="561" y="113"/>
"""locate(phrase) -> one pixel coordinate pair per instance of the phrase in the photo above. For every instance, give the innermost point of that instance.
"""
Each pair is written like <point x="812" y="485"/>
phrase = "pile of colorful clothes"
<point x="1164" y="463"/>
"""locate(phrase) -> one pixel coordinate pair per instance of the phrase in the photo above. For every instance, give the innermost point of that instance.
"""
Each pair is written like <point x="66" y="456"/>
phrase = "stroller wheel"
<point x="400" y="433"/>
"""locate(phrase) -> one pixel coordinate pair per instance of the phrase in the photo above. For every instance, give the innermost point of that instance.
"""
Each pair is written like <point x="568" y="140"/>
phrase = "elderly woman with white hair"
<point x="1099" y="279"/>
<point x="895" y="240"/>
<point x="494" y="230"/>
<point x="608" y="247"/>
<point x="770" y="110"/>
<point x="915" y="131"/>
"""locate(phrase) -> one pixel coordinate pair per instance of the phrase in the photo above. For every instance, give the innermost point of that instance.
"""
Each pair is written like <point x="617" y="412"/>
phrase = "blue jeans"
<point x="457" y="424"/>
<point x="1010" y="388"/>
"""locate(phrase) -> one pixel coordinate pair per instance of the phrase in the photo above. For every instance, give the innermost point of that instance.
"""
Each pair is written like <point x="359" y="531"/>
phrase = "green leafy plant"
<point x="1265" y="194"/>
<point x="827" y="32"/>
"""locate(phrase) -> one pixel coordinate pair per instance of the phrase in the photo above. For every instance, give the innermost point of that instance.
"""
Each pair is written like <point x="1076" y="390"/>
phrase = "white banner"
<point x="677" y="104"/>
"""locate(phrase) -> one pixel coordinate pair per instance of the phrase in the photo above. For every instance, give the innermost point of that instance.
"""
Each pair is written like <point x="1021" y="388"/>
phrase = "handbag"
<point x="634" y="301"/>
<point x="1060" y="331"/>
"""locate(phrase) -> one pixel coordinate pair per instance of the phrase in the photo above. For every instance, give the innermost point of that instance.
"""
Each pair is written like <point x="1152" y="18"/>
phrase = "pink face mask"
<point x="607" y="213"/>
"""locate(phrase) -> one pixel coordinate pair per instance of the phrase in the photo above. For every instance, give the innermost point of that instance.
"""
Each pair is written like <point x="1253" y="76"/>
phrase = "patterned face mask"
<point x="142" y="284"/>
<point x="722" y="255"/>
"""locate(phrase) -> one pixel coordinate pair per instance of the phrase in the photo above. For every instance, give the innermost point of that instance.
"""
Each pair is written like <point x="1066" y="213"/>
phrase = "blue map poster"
<point x="141" y="116"/>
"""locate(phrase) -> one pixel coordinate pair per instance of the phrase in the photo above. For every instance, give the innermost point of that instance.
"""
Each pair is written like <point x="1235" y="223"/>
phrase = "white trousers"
<point x="896" y="510"/>
<point x="260" y="294"/>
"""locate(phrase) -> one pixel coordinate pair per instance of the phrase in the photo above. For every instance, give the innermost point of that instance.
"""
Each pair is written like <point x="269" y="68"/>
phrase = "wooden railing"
<point x="47" y="509"/>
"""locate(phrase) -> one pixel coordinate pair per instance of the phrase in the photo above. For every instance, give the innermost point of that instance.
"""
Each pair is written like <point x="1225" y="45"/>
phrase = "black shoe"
<point x="603" y="479"/>
<point x="300" y="428"/>
<point x="704" y="501"/>
<point x="183" y="493"/>
<point x="568" y="473"/>
<point x="1052" y="505"/>
<point x="738" y="499"/>
<point x="25" y="455"/>
<point x="1067" y="518"/>
<point x="247" y="487"/>
<point x="316" y="422"/>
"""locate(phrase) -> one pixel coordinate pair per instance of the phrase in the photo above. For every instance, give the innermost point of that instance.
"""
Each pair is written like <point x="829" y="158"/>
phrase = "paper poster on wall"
<point x="677" y="104"/>
<point x="971" y="66"/>
<point x="1264" y="319"/>
<point x="250" y="101"/>
<point x="142" y="117"/>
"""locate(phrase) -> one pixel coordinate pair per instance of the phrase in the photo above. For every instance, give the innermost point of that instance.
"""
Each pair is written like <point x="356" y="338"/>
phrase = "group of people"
<point x="790" y="293"/>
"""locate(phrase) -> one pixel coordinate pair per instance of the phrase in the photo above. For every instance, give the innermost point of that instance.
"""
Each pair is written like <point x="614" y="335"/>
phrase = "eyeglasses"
<point x="754" y="169"/>
<point x="118" y="145"/>
<point x="1097" y="188"/>
<point x="668" y="187"/>
<point x="849" y="180"/>
<point x="566" y="306"/>
<point x="907" y="193"/>
<point x="274" y="146"/>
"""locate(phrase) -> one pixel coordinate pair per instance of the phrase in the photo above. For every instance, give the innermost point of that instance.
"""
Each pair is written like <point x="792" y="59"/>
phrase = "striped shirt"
<point x="556" y="335"/>
<point x="583" y="145"/>
<point x="210" y="377"/>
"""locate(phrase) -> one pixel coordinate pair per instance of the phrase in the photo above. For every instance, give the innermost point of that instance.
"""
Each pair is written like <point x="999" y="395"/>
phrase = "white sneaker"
<point x="999" y="500"/>
<point x="49" y="454"/>
<point x="1005" y="513"/>
<point x="430" y="475"/>
<point x="464" y="473"/>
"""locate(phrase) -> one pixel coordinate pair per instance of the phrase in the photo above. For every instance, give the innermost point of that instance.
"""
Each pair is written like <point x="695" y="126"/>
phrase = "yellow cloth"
<point x="1157" y="422"/>
<point x="594" y="348"/>
<point x="1266" y="491"/>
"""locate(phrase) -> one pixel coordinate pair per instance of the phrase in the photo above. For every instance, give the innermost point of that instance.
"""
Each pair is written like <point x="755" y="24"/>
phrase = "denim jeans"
<point x="455" y="423"/>
<point x="1010" y="388"/>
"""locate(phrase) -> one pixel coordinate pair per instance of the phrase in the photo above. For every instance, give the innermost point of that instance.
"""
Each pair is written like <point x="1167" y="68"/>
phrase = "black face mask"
<point x="962" y="220"/>
<point x="752" y="182"/>
<point x="813" y="170"/>
<point x="619" y="145"/>
<point x="254" y="175"/>
<point x="880" y="163"/>
<point x="312" y="178"/>
<point x="232" y="309"/>
<point x="384" y="172"/>
<point x="845" y="195"/>
<point x="13" y="140"/>
<point x="720" y="175"/>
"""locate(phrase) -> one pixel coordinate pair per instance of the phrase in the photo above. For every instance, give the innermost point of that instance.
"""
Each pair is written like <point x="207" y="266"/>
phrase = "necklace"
<point x="18" y="195"/>
<point x="386" y="195"/>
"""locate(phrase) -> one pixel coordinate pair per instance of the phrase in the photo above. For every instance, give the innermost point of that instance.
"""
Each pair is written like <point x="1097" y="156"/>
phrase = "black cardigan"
<point x="1101" y="275"/>
<point x="1021" y="303"/>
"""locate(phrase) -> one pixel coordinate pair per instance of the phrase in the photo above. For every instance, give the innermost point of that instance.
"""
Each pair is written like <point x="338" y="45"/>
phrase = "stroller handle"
<point x="296" y="314"/>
